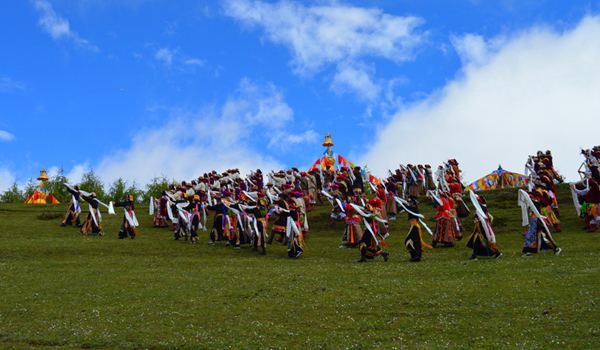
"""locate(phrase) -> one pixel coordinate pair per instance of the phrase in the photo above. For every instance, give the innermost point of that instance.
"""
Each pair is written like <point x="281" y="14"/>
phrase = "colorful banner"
<point x="374" y="180"/>
<point x="499" y="179"/>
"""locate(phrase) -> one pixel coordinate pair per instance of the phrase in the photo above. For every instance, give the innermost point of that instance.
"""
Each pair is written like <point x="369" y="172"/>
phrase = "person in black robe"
<point x="194" y="208"/>
<point x="92" y="224"/>
<point x="74" y="209"/>
<point x="478" y="241"/>
<point x="369" y="243"/>
<point x="219" y="228"/>
<point x="280" y="224"/>
<point x="294" y="238"/>
<point x="258" y="212"/>
<point x="127" y="227"/>
<point x="181" y="230"/>
<point x="414" y="239"/>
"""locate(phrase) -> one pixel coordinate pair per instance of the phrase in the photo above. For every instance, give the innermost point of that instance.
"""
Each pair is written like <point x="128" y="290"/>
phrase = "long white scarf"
<point x="483" y="219"/>
<point x="420" y="216"/>
<point x="525" y="203"/>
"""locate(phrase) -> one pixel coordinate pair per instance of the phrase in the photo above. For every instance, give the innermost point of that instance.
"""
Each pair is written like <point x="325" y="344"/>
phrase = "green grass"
<point x="59" y="289"/>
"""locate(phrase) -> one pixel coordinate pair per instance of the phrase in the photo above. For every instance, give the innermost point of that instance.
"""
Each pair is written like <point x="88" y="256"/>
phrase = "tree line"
<point x="90" y="182"/>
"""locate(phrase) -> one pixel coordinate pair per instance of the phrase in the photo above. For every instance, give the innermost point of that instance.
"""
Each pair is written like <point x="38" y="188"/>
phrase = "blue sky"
<point x="137" y="88"/>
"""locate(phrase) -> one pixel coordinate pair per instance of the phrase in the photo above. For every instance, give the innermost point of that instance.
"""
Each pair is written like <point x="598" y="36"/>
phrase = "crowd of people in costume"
<point x="259" y="209"/>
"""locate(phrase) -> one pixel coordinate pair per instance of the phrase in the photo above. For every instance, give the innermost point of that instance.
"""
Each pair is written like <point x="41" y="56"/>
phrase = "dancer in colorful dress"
<point x="128" y="227"/>
<point x="482" y="240"/>
<point x="74" y="209"/>
<point x="538" y="236"/>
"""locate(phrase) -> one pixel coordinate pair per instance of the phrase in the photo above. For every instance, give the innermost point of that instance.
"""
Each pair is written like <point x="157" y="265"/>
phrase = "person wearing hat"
<point x="269" y="190"/>
<point x="456" y="225"/>
<point x="287" y="188"/>
<point x="538" y="236"/>
<point x="220" y="227"/>
<point x="391" y="191"/>
<point x="429" y="183"/>
<point x="280" y="225"/>
<point x="181" y="230"/>
<point x="129" y="220"/>
<point x="300" y="204"/>
<point x="412" y="181"/>
<point x="369" y="244"/>
<point x="461" y="208"/>
<point x="482" y="240"/>
<point x="379" y="210"/>
<point x="544" y="198"/>
<point x="240" y="232"/>
<point x="93" y="223"/>
<point x="200" y="185"/>
<point x="414" y="239"/>
<point x="258" y="214"/>
<point x="328" y="177"/>
<point x="358" y="187"/>
<point x="195" y="208"/>
<point x="303" y="187"/>
<point x="294" y="236"/>
<point x="344" y="186"/>
<point x="74" y="208"/>
<point x="161" y="215"/>
<point x="336" y="211"/>
<point x="312" y="190"/>
<point x="319" y="184"/>
<point x="590" y="192"/>
<point x="353" y="232"/>
<point x="444" y="232"/>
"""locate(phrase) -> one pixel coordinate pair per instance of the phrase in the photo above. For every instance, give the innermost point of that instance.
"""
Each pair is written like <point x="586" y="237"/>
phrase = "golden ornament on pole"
<point x="41" y="195"/>
<point x="43" y="175"/>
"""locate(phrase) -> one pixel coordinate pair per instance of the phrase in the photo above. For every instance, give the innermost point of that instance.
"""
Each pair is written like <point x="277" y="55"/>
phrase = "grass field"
<point x="60" y="289"/>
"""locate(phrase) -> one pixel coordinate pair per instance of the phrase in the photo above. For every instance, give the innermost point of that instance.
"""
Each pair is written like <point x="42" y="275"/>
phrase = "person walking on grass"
<point x="74" y="209"/>
<point x="444" y="231"/>
<point x="371" y="240"/>
<point x="93" y="223"/>
<point x="414" y="239"/>
<point x="538" y="236"/>
<point x="129" y="220"/>
<point x="482" y="240"/>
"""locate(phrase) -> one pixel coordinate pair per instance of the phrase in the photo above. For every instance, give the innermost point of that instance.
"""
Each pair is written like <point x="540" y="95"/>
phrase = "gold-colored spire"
<point x="43" y="175"/>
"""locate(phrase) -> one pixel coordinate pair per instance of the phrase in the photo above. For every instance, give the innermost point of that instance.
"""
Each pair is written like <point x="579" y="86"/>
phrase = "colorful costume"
<point x="74" y="208"/>
<point x="444" y="232"/>
<point x="129" y="220"/>
<point x="414" y="239"/>
<point x="93" y="223"/>
<point x="538" y="236"/>
<point x="482" y="240"/>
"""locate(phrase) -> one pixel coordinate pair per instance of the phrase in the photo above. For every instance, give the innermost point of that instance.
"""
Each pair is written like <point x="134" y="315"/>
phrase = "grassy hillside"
<point x="64" y="290"/>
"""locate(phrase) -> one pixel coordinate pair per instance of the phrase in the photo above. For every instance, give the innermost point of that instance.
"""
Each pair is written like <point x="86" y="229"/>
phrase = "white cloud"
<point x="285" y="140"/>
<point x="175" y="58"/>
<point x="195" y="142"/>
<point x="9" y="85"/>
<point x="474" y="49"/>
<point x="6" y="179"/>
<point x="259" y="105"/>
<point x="334" y="34"/>
<point x="194" y="61"/>
<point x="58" y="27"/>
<point x="76" y="174"/>
<point x="6" y="136"/>
<point x="165" y="55"/>
<point x="537" y="90"/>
<point x="356" y="77"/>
